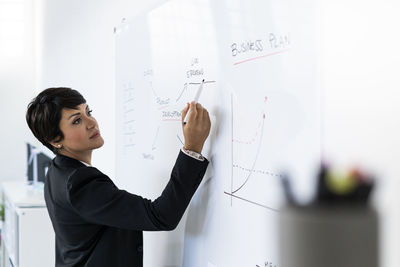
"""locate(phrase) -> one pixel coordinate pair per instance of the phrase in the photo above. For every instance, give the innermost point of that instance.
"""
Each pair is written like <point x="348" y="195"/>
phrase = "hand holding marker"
<point x="196" y="127"/>
<point x="197" y="96"/>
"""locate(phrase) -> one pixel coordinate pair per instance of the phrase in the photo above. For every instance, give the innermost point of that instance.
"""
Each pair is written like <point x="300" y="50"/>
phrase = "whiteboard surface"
<point x="264" y="106"/>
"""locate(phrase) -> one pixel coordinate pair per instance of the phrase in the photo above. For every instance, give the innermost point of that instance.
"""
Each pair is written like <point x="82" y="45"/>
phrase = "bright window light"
<point x="12" y="28"/>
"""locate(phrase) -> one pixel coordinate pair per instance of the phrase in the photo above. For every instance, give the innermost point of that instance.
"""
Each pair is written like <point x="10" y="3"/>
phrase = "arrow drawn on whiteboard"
<point x="185" y="86"/>
<point x="180" y="140"/>
<point x="153" y="147"/>
<point x="183" y="90"/>
<point x="255" y="160"/>
<point x="152" y="89"/>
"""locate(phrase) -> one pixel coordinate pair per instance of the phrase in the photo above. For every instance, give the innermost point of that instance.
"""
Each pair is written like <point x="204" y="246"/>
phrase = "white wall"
<point x="17" y="80"/>
<point x="360" y="76"/>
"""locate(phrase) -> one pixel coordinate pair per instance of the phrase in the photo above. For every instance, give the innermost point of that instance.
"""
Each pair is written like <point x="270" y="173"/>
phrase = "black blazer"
<point x="96" y="224"/>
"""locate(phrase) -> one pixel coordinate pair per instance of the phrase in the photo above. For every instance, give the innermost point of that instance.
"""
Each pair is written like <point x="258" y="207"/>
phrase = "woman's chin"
<point x="99" y="143"/>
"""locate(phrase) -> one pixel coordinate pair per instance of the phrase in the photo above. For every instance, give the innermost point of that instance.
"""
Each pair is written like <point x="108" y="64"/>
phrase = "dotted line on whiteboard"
<point x="257" y="171"/>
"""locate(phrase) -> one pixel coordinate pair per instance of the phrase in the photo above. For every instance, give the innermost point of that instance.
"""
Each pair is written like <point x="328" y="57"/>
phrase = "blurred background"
<point x="45" y="43"/>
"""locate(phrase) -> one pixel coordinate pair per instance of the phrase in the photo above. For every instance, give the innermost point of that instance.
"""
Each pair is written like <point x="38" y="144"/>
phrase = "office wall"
<point x="17" y="80"/>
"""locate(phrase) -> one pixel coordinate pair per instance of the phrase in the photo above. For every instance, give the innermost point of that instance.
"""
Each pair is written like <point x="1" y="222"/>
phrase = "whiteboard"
<point x="259" y="57"/>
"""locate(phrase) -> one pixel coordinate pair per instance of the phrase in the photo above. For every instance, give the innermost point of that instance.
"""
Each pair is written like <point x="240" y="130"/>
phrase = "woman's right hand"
<point x="197" y="127"/>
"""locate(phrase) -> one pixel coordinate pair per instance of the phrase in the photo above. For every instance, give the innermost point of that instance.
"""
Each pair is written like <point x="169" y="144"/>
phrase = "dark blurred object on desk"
<point x="338" y="228"/>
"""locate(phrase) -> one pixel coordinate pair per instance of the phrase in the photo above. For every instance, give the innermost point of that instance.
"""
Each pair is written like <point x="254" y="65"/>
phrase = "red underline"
<point x="267" y="55"/>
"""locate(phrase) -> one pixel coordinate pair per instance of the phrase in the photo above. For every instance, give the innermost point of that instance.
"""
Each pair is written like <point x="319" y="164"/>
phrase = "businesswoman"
<point x="97" y="224"/>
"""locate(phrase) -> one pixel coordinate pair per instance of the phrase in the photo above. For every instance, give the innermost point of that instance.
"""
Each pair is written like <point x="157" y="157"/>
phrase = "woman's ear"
<point x="56" y="143"/>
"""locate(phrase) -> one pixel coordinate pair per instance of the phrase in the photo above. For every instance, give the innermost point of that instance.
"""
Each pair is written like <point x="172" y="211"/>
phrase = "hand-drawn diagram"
<point x="164" y="110"/>
<point x="249" y="164"/>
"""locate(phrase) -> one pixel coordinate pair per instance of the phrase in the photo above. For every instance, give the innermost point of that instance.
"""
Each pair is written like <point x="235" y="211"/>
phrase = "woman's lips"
<point x="97" y="134"/>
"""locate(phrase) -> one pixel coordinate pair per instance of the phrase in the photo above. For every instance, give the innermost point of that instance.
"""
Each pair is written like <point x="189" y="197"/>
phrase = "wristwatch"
<point x="193" y="154"/>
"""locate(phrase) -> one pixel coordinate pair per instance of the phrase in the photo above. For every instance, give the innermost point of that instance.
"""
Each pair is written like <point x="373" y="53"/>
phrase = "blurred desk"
<point x="27" y="235"/>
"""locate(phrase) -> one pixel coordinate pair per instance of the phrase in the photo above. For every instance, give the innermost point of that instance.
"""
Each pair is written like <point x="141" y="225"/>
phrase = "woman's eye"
<point x="79" y="119"/>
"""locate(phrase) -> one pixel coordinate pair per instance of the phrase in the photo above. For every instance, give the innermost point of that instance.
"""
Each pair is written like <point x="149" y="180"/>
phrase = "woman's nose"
<point x="91" y="123"/>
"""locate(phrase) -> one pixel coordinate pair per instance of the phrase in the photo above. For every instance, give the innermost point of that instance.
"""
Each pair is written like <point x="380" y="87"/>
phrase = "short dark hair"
<point x="44" y="113"/>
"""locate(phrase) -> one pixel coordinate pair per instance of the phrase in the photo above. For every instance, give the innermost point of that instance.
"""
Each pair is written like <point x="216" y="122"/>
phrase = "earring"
<point x="59" y="146"/>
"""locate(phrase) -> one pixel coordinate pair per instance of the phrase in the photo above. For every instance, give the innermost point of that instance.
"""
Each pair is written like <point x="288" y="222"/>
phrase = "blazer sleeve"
<point x="97" y="200"/>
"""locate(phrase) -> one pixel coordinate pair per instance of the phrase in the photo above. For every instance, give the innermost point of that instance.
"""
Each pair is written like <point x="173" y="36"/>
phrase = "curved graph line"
<point x="183" y="90"/>
<point x="152" y="89"/>
<point x="251" y="140"/>
<point x="255" y="160"/>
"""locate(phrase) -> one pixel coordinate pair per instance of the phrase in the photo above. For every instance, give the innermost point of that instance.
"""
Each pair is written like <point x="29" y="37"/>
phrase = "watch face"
<point x="193" y="154"/>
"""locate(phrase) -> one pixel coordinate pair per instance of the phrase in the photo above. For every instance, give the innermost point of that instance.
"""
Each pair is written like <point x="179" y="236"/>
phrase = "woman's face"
<point x="80" y="129"/>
